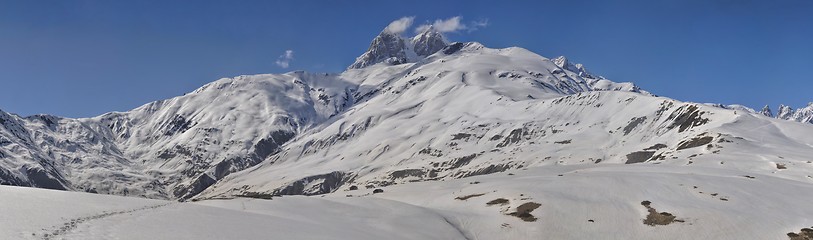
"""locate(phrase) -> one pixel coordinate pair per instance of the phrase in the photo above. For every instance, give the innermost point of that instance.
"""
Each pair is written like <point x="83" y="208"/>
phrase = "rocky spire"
<point x="804" y="114"/>
<point x="766" y="111"/>
<point x="386" y="47"/>
<point x="579" y="69"/>
<point x="428" y="42"/>
<point x="785" y="112"/>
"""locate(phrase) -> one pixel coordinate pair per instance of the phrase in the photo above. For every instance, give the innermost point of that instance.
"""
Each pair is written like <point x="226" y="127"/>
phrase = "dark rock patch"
<point x="329" y="183"/>
<point x="452" y="48"/>
<point x="695" y="142"/>
<point x="563" y="142"/>
<point x="514" y="136"/>
<point x="178" y="124"/>
<point x="464" y="198"/>
<point x="7" y="178"/>
<point x="488" y="170"/>
<point x="45" y="179"/>
<point x="431" y="152"/>
<point x="498" y="201"/>
<point x="461" y="161"/>
<point x="271" y="145"/>
<point x="257" y="195"/>
<point x="639" y="157"/>
<point x="405" y="173"/>
<point x="633" y="124"/>
<point x="656" y="147"/>
<point x="459" y="136"/>
<point x="235" y="164"/>
<point x="686" y="117"/>
<point x="201" y="183"/>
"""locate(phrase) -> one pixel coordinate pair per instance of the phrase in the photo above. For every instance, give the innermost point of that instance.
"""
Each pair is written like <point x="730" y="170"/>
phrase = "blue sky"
<point x="84" y="58"/>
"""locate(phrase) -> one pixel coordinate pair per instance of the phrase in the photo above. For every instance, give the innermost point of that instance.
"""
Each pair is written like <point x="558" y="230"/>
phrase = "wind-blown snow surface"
<point x="44" y="214"/>
<point x="584" y="201"/>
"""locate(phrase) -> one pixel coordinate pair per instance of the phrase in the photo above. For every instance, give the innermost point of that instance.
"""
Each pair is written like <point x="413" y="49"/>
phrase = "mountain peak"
<point x="390" y="47"/>
<point x="429" y="41"/>
<point x="766" y="111"/>
<point x="561" y="61"/>
<point x="578" y="68"/>
<point x="785" y="112"/>
<point x="386" y="47"/>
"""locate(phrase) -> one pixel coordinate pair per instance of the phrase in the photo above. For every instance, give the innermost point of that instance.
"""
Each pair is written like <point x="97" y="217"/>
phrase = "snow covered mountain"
<point x="804" y="115"/>
<point x="171" y="148"/>
<point x="178" y="147"/>
<point x="456" y="139"/>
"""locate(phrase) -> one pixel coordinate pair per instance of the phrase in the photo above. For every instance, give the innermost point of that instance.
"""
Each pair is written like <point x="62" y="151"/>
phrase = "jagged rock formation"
<point x="766" y="111"/>
<point x="386" y="47"/>
<point x="428" y="42"/>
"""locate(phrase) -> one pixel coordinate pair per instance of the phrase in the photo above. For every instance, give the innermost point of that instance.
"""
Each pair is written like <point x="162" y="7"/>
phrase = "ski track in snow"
<point x="73" y="224"/>
<point x="458" y="228"/>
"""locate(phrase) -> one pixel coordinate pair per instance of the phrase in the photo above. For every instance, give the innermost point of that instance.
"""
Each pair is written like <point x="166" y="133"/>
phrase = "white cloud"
<point x="284" y="60"/>
<point x="453" y="24"/>
<point x="400" y="25"/>
<point x="421" y="28"/>
<point x="449" y="25"/>
<point x="478" y="24"/>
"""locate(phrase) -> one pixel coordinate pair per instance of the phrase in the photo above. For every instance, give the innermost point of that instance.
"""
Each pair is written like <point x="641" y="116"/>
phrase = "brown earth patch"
<point x="804" y="234"/>
<point x="658" y="218"/>
<point x="524" y="211"/>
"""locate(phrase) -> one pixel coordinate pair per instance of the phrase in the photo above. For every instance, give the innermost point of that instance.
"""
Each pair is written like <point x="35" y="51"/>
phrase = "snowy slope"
<point x="42" y="214"/>
<point x="448" y="138"/>
<point x="590" y="201"/>
<point x="170" y="148"/>
<point x="585" y="201"/>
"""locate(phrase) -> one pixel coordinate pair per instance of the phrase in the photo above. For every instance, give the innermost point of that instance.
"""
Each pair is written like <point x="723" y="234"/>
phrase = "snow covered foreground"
<point x="575" y="202"/>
